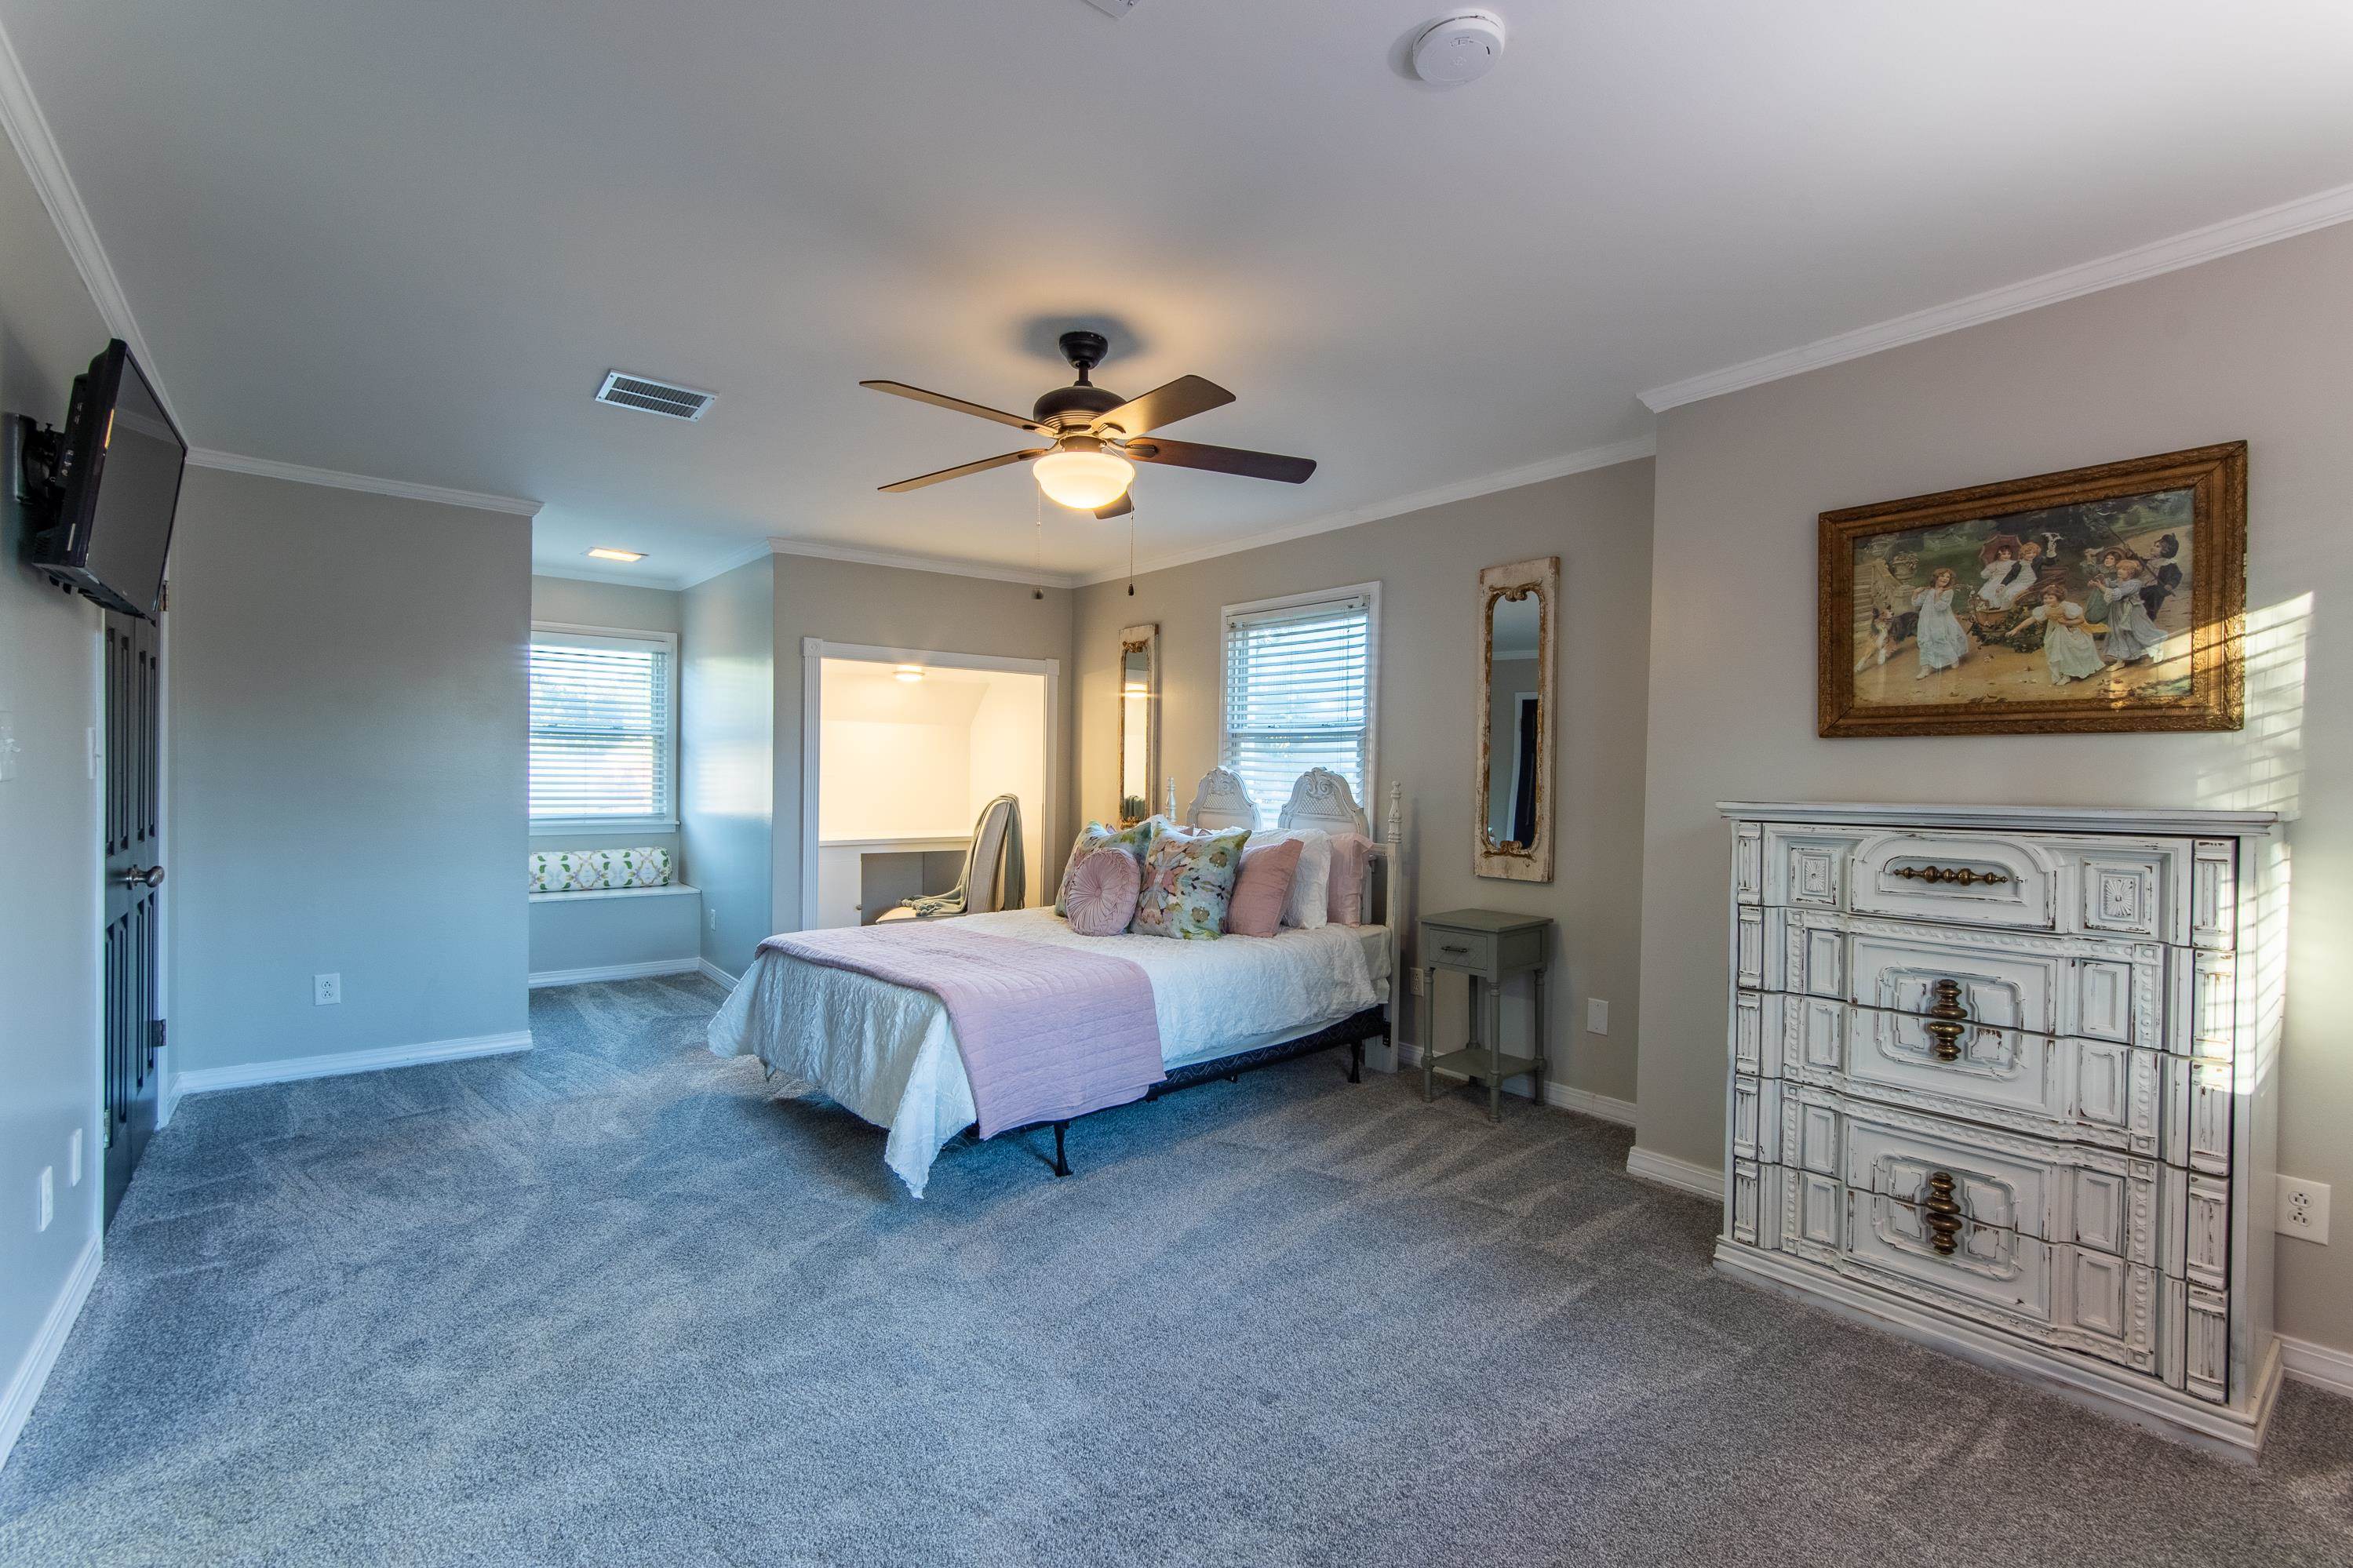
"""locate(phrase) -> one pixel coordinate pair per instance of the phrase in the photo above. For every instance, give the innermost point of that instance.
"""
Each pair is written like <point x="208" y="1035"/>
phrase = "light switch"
<point x="1597" y="1016"/>
<point x="8" y="747"/>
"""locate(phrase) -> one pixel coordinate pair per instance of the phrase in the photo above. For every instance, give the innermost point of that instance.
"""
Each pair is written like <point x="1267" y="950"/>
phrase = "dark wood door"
<point x="133" y="901"/>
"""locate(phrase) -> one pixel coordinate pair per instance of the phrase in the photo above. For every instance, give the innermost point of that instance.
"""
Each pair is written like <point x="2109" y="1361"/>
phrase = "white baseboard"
<point x="1568" y="1096"/>
<point x="33" y="1373"/>
<point x="1650" y="1165"/>
<point x="646" y="970"/>
<point x="712" y="971"/>
<point x="2318" y="1365"/>
<point x="247" y="1075"/>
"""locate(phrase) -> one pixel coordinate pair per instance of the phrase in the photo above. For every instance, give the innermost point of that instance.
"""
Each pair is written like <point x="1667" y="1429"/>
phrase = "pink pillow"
<point x="1100" y="893"/>
<point x="1352" y="853"/>
<point x="1262" y="889"/>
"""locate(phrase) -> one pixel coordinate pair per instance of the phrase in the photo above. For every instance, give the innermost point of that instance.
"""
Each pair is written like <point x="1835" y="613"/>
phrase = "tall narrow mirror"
<point x="1518" y="612"/>
<point x="1139" y="721"/>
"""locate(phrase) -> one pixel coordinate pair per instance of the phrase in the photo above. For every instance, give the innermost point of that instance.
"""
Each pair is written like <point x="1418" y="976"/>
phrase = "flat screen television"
<point x="113" y="486"/>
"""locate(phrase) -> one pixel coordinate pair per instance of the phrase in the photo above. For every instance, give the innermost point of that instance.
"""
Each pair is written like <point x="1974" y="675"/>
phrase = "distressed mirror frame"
<point x="1144" y="639"/>
<point x="1508" y="858"/>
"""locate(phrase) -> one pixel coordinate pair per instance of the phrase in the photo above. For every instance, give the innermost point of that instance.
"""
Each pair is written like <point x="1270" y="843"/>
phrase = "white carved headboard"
<point x="1219" y="800"/>
<point x="1320" y="801"/>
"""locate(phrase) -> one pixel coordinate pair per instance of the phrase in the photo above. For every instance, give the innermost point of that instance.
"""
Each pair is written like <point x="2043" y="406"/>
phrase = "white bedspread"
<point x="888" y="1053"/>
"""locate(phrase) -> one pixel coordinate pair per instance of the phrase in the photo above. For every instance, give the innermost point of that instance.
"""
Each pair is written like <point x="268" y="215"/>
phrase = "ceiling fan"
<point x="1095" y="434"/>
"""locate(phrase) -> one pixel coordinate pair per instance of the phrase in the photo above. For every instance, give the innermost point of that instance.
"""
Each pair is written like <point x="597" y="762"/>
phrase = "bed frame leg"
<point x="1061" y="1166"/>
<point x="1355" y="1061"/>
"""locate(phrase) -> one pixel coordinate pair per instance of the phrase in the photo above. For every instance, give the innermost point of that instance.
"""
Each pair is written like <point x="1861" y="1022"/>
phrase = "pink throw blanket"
<point x="1046" y="1033"/>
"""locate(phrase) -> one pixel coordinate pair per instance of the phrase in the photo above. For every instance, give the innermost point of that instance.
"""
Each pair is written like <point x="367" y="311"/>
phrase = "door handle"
<point x="152" y="877"/>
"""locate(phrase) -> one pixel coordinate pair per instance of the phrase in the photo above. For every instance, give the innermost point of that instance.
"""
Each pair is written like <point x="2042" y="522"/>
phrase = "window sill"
<point x="669" y="889"/>
<point x="577" y="827"/>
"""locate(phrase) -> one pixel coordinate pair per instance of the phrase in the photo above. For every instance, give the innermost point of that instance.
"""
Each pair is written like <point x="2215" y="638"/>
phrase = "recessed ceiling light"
<point x="601" y="554"/>
<point x="909" y="673"/>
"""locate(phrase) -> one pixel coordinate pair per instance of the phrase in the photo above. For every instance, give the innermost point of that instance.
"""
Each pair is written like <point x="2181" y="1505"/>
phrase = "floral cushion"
<point x="1188" y="883"/>
<point x="592" y="870"/>
<point x="1135" y="841"/>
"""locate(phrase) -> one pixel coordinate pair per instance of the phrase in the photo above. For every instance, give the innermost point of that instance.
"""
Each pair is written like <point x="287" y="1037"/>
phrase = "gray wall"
<point x="727" y="718"/>
<point x="347" y="770"/>
<point x="1428" y="563"/>
<point x="48" y="815"/>
<point x="888" y="607"/>
<point x="2254" y="346"/>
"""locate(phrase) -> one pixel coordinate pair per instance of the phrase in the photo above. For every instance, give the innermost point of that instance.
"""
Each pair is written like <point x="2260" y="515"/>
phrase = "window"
<point x="604" y="736"/>
<point x="1299" y="690"/>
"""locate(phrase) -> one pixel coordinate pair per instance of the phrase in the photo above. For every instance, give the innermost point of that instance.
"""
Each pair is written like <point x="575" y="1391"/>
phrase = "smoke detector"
<point x="1460" y="48"/>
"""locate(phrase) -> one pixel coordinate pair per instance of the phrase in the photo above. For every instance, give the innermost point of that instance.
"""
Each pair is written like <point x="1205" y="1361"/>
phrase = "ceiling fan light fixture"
<point x="1083" y="476"/>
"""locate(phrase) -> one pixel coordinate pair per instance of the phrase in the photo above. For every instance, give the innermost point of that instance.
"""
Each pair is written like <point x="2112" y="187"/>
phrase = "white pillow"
<point x="1308" y="907"/>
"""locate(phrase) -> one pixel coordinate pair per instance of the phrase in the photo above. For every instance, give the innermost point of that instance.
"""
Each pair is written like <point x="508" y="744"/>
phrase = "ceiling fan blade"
<point x="1180" y="399"/>
<point x="1120" y="508"/>
<point x="1222" y="460"/>
<point x="961" y="469"/>
<point x="941" y="400"/>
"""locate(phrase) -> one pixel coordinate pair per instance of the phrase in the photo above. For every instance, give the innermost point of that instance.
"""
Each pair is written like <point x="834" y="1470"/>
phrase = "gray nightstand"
<point x="1485" y="945"/>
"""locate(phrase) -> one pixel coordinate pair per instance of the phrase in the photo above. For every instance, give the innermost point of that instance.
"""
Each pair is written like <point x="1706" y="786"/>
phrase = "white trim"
<point x="1371" y="593"/>
<point x="711" y="970"/>
<point x="646" y="970"/>
<point x="33" y="1373"/>
<point x="906" y="563"/>
<point x="335" y="480"/>
<point x="570" y="894"/>
<point x="593" y="826"/>
<point x="2187" y="823"/>
<point x="288" y="1069"/>
<point x="2210" y="243"/>
<point x="815" y="651"/>
<point x="1558" y="1095"/>
<point x="2316" y="1365"/>
<point x="1650" y="1165"/>
<point x="45" y="165"/>
<point x="2139" y="1401"/>
<point x="1578" y="462"/>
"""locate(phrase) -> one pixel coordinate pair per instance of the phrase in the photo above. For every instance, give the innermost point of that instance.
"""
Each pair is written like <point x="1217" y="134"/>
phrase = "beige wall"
<point x="888" y="607"/>
<point x="1428" y="564"/>
<point x="2254" y="346"/>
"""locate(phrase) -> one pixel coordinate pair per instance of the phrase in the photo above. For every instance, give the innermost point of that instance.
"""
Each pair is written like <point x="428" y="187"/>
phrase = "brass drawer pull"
<point x="1448" y="948"/>
<point x="1963" y="875"/>
<point x="1947" y="1017"/>
<point x="1940" y="1212"/>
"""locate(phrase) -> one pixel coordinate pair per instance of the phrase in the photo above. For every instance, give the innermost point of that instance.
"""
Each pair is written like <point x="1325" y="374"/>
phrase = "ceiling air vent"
<point x="649" y="396"/>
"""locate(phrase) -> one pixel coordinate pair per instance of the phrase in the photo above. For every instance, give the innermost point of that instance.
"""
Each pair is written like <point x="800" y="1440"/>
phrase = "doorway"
<point x="900" y="750"/>
<point x="132" y="902"/>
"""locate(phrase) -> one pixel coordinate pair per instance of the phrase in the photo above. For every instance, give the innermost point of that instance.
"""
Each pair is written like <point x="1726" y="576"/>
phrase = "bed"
<point x="889" y="1052"/>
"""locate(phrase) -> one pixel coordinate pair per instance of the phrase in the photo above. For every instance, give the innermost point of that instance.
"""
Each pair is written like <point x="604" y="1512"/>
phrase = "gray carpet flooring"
<point x="609" y="1303"/>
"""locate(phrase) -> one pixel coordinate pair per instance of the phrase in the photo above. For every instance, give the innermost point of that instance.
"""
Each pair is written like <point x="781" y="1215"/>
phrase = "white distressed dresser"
<point x="2002" y="1079"/>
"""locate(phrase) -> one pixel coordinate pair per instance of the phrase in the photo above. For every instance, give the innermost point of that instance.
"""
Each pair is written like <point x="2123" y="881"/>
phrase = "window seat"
<point x="615" y="934"/>
<point x="668" y="890"/>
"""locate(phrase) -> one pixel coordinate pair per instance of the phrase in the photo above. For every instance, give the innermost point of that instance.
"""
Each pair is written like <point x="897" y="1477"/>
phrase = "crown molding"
<point x="1610" y="455"/>
<point x="45" y="165"/>
<point x="904" y="563"/>
<point x="333" y="479"/>
<point x="2210" y="243"/>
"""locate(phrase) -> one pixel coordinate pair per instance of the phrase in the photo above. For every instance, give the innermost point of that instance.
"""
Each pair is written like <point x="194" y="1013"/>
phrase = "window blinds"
<point x="600" y="728"/>
<point x="1298" y="694"/>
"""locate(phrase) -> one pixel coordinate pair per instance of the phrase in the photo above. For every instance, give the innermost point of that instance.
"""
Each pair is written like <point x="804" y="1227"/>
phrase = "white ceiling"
<point x="407" y="240"/>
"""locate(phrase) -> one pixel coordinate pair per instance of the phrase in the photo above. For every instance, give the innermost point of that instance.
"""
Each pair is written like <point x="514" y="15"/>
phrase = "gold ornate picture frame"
<point x="1512" y="805"/>
<point x="2100" y="599"/>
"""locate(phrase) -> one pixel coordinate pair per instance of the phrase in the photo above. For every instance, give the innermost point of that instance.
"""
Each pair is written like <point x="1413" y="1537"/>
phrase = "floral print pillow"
<point x="1135" y="841"/>
<point x="590" y="870"/>
<point x="1188" y="883"/>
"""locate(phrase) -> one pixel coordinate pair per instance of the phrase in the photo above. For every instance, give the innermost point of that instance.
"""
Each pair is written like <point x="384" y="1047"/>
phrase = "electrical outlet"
<point x="49" y="1195"/>
<point x="1596" y="1016"/>
<point x="8" y="747"/>
<point x="326" y="990"/>
<point x="2303" y="1210"/>
<point x="1420" y="980"/>
<point x="73" y="1158"/>
<point x="711" y="917"/>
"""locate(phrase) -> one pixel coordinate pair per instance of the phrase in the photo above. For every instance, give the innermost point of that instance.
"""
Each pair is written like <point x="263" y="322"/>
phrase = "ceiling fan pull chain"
<point x="1131" y="546"/>
<point x="1038" y="540"/>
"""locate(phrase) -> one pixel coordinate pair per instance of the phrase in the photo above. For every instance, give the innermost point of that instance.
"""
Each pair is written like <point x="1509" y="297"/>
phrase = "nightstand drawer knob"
<point x="1451" y="948"/>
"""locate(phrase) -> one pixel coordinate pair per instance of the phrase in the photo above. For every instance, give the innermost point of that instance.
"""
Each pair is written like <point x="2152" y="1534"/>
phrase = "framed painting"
<point x="2108" y="598"/>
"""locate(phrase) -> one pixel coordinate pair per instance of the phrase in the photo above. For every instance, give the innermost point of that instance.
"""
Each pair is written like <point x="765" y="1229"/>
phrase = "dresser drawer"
<point x="2096" y="988"/>
<point x="2059" y="1192"/>
<point x="2092" y="885"/>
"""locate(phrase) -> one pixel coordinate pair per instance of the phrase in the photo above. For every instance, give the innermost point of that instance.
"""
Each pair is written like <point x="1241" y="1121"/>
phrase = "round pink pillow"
<point x="1100" y="895"/>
